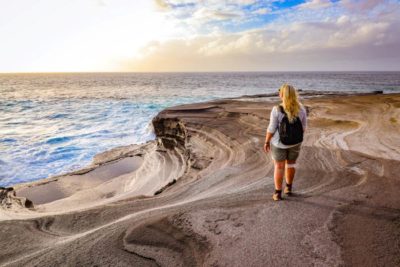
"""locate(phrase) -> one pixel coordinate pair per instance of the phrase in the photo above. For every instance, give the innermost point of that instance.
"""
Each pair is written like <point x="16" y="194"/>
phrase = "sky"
<point x="203" y="35"/>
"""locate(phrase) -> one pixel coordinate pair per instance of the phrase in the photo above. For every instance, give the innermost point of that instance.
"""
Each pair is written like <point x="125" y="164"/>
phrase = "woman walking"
<point x="287" y="124"/>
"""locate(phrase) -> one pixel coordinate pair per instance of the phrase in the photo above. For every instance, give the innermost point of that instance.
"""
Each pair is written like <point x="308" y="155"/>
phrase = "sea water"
<point x="55" y="123"/>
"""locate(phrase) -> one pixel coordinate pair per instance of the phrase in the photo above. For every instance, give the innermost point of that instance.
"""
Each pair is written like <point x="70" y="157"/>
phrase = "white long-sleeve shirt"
<point x="276" y="117"/>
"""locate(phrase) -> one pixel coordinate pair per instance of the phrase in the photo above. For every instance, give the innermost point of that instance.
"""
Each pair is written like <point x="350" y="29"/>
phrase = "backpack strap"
<point x="281" y="109"/>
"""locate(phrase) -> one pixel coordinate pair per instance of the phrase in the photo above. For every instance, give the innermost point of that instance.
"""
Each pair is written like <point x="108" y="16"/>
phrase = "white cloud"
<point x="316" y="4"/>
<point x="343" y="20"/>
<point x="262" y="11"/>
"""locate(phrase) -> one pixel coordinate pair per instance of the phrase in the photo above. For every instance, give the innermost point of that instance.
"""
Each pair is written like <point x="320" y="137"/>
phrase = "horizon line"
<point x="224" y="71"/>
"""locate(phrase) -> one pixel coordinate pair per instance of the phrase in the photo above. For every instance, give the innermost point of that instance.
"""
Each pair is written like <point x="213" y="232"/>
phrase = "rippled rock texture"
<point x="200" y="195"/>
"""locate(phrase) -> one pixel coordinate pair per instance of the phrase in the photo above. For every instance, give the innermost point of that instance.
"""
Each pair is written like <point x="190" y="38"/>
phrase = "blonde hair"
<point x="290" y="101"/>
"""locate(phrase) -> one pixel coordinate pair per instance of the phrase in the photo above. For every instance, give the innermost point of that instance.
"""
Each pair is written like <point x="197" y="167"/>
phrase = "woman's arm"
<point x="273" y="124"/>
<point x="303" y="118"/>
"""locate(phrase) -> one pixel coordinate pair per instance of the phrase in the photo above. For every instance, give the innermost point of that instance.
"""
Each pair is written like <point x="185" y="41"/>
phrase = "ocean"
<point x="55" y="123"/>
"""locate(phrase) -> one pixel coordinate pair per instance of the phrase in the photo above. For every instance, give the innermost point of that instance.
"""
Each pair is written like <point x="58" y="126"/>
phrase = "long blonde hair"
<point x="290" y="101"/>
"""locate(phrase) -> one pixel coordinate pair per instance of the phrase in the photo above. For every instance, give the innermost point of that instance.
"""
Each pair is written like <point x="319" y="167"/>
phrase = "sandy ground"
<point x="200" y="195"/>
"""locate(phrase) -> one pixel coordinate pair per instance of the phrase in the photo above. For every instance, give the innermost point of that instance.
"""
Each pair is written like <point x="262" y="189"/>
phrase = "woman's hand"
<point x="267" y="147"/>
<point x="267" y="144"/>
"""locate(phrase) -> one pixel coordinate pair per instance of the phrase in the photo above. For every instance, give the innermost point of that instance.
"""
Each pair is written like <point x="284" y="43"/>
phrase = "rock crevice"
<point x="9" y="199"/>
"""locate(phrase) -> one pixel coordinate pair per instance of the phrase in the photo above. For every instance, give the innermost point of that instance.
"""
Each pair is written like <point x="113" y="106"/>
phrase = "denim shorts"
<point x="281" y="154"/>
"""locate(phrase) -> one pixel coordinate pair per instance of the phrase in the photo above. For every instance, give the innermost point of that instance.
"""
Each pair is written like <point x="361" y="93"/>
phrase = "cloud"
<point x="205" y="15"/>
<point x="315" y="4"/>
<point x="262" y="11"/>
<point x="212" y="15"/>
<point x="298" y="47"/>
<point x="362" y="57"/>
<point x="317" y="35"/>
<point x="161" y="5"/>
<point x="361" y="5"/>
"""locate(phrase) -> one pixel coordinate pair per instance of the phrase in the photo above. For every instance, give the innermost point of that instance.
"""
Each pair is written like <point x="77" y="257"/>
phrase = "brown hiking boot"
<point x="288" y="190"/>
<point x="276" y="196"/>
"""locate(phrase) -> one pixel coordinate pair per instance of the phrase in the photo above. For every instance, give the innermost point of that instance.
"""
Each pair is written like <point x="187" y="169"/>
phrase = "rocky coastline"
<point x="200" y="194"/>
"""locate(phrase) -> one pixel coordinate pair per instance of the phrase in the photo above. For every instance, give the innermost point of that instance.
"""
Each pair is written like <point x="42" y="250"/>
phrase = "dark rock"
<point x="170" y="132"/>
<point x="8" y="199"/>
<point x="159" y="191"/>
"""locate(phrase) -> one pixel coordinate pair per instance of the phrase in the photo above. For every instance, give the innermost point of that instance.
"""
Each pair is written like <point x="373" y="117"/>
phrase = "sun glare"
<point x="76" y="35"/>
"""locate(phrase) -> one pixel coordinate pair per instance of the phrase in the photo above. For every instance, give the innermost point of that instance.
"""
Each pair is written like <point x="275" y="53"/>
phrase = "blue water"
<point x="54" y="123"/>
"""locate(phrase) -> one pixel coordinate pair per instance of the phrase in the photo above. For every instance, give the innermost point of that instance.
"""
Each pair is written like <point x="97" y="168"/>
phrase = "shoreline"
<point x="200" y="194"/>
<point x="109" y="158"/>
<point x="97" y="163"/>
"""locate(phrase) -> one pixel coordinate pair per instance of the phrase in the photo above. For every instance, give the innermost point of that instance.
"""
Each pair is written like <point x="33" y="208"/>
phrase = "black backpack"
<point x="290" y="133"/>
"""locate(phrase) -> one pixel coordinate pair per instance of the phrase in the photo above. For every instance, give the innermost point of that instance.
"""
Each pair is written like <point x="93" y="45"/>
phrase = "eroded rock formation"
<point x="9" y="200"/>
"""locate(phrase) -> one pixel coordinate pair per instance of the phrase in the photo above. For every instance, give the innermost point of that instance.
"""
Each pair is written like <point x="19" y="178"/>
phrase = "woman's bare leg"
<point x="290" y="171"/>
<point x="278" y="174"/>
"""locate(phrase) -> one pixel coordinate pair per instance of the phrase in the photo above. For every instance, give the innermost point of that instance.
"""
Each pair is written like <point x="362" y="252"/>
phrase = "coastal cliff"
<point x="200" y="194"/>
